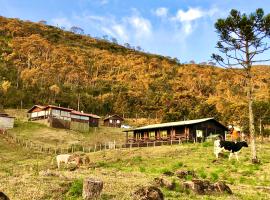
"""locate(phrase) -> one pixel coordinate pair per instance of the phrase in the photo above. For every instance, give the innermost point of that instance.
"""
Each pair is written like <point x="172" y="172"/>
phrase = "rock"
<point x="91" y="188"/>
<point x="3" y="196"/>
<point x="148" y="193"/>
<point x="206" y="187"/>
<point x="184" y="173"/>
<point x="168" y="173"/>
<point x="161" y="182"/>
<point x="222" y="187"/>
<point x="48" y="173"/>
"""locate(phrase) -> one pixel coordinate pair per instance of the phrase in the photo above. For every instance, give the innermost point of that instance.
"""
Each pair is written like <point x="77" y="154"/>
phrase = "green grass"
<point x="41" y="134"/>
<point x="124" y="170"/>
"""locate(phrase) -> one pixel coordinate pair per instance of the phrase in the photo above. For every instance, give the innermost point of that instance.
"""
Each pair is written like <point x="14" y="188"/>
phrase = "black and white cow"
<point x="232" y="147"/>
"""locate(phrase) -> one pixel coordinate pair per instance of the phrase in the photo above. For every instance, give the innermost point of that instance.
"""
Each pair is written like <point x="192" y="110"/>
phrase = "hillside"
<point x="23" y="173"/>
<point x="42" y="64"/>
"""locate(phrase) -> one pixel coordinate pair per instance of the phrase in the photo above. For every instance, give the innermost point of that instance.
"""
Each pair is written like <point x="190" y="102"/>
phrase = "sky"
<point x="177" y="28"/>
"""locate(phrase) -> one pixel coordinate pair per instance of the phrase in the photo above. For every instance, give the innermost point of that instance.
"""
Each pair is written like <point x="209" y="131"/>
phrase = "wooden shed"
<point x="191" y="130"/>
<point x="113" y="121"/>
<point x="6" y="122"/>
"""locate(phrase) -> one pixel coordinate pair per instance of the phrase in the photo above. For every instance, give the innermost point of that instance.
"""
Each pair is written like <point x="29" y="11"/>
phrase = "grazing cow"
<point x="62" y="158"/>
<point x="232" y="147"/>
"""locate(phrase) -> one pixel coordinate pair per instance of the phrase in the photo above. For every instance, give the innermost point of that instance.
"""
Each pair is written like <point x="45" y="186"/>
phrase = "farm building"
<point x="6" y="122"/>
<point x="60" y="117"/>
<point x="191" y="130"/>
<point x="113" y="121"/>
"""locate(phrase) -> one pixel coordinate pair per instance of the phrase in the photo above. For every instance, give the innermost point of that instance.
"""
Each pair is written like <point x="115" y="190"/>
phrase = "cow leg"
<point x="236" y="155"/>
<point x="230" y="156"/>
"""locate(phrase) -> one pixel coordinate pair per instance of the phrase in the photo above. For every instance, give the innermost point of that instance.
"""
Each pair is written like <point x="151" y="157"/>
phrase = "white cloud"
<point x="120" y="31"/>
<point x="141" y="25"/>
<point x="161" y="12"/>
<point x="189" y="15"/>
<point x="61" y="22"/>
<point x="188" y="18"/>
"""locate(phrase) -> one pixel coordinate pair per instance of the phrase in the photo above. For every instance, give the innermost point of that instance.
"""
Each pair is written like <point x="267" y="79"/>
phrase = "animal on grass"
<point x="232" y="147"/>
<point x="66" y="158"/>
<point x="62" y="158"/>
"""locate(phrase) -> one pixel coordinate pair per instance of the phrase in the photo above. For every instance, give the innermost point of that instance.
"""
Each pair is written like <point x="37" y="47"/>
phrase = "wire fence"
<point x="49" y="149"/>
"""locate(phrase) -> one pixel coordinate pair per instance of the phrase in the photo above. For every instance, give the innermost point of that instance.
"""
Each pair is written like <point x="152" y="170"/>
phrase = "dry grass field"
<point x="23" y="177"/>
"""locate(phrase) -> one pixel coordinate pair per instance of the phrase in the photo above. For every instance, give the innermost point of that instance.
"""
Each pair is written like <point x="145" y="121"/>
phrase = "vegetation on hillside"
<point x="42" y="64"/>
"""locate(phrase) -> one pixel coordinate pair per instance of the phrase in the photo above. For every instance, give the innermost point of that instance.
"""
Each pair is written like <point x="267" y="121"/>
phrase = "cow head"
<point x="244" y="144"/>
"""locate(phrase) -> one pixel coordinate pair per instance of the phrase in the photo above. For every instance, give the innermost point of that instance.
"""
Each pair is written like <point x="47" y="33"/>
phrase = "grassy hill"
<point x="23" y="176"/>
<point x="44" y="64"/>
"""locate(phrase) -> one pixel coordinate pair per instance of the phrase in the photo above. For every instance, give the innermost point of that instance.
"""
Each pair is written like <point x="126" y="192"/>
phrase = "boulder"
<point x="184" y="173"/>
<point x="221" y="187"/>
<point x="168" y="173"/>
<point x="91" y="188"/>
<point x="161" y="182"/>
<point x="3" y="196"/>
<point x="148" y="193"/>
<point x="206" y="187"/>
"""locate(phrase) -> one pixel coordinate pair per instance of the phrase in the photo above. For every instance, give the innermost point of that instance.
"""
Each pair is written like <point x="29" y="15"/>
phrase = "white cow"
<point x="62" y="158"/>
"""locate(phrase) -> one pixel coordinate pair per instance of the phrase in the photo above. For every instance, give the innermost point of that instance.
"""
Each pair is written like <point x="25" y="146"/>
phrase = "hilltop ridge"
<point x="41" y="64"/>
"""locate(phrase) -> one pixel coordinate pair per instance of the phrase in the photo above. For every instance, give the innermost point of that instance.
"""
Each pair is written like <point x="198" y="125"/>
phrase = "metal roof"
<point x="84" y="114"/>
<point x="172" y="124"/>
<point x="110" y="116"/>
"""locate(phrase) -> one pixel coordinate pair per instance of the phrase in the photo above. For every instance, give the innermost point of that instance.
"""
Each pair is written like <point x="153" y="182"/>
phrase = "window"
<point x="111" y="121"/>
<point x="163" y="134"/>
<point x="118" y="121"/>
<point x="199" y="133"/>
<point x="152" y="135"/>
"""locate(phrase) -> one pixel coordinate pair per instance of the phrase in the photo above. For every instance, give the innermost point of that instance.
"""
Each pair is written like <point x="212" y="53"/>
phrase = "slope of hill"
<point x="26" y="175"/>
<point x="44" y="64"/>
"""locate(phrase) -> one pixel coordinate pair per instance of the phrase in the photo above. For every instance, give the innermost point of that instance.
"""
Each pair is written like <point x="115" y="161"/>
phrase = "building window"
<point x="111" y="121"/>
<point x="152" y="135"/>
<point x="199" y="133"/>
<point x="164" y="134"/>
<point x="118" y="121"/>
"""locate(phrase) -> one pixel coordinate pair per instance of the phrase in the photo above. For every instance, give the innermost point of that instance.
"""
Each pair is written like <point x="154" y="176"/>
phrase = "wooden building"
<point x="190" y="130"/>
<point x="6" y="122"/>
<point x="60" y="117"/>
<point x="113" y="121"/>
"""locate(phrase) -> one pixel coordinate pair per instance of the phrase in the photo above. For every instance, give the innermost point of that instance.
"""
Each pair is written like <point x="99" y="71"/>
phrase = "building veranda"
<point x="173" y="132"/>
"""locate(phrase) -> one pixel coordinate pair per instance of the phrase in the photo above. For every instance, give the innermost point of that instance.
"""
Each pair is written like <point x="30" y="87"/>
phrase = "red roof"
<point x="84" y="114"/>
<point x="58" y="107"/>
<point x="35" y="106"/>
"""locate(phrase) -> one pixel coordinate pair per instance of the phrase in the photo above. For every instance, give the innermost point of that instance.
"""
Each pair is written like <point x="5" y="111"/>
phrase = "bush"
<point x="76" y="188"/>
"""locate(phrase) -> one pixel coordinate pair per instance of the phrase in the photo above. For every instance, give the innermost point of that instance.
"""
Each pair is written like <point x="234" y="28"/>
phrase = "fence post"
<point x="154" y="143"/>
<point x="147" y="144"/>
<point x="171" y="142"/>
<point x="130" y="145"/>
<point x="95" y="148"/>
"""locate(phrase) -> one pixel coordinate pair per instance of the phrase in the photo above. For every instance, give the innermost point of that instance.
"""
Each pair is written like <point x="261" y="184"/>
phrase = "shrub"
<point x="76" y="188"/>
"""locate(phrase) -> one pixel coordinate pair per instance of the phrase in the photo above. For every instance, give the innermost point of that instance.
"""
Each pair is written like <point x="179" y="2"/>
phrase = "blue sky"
<point x="176" y="28"/>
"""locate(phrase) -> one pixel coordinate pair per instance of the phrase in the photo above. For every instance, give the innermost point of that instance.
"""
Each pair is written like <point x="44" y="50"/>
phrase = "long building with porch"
<point x="191" y="130"/>
<point x="60" y="117"/>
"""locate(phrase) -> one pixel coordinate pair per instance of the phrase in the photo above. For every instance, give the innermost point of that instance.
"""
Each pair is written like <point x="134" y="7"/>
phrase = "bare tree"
<point x="241" y="38"/>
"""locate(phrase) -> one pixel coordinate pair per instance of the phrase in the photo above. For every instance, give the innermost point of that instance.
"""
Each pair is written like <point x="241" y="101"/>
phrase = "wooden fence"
<point x="49" y="149"/>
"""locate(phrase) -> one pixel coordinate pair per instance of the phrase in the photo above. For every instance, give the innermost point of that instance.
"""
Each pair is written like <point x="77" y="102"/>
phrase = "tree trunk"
<point x="78" y="102"/>
<point x="92" y="188"/>
<point x="251" y="120"/>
